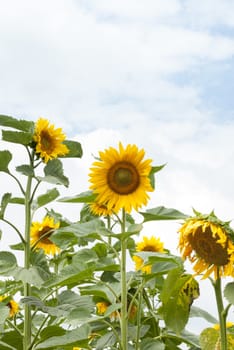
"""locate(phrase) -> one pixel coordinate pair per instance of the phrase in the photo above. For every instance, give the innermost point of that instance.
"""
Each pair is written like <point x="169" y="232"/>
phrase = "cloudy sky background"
<point x="158" y="73"/>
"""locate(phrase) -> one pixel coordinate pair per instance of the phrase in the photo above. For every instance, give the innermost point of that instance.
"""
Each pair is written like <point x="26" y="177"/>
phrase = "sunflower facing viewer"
<point x="49" y="141"/>
<point x="40" y="235"/>
<point x="151" y="244"/>
<point x="208" y="243"/>
<point x="121" y="178"/>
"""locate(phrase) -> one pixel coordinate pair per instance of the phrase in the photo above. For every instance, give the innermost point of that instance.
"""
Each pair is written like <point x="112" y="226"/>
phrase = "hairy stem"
<point x="124" y="311"/>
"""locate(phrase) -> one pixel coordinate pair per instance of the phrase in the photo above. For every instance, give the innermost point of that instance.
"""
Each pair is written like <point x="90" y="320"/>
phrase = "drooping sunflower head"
<point x="148" y="244"/>
<point x="121" y="178"/>
<point x="208" y="243"/>
<point x="40" y="235"/>
<point x="49" y="141"/>
<point x="12" y="305"/>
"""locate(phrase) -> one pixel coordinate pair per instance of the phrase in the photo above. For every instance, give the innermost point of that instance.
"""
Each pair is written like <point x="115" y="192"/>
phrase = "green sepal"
<point x="162" y="213"/>
<point x="21" y="137"/>
<point x="5" y="158"/>
<point x="75" y="149"/>
<point x="19" y="124"/>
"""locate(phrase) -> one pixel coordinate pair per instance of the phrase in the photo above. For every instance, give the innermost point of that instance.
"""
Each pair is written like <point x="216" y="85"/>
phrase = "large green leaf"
<point x="71" y="275"/>
<point x="21" y="137"/>
<point x="54" y="173"/>
<point x="84" y="197"/>
<point x="75" y="149"/>
<point x="31" y="275"/>
<point x="13" y="340"/>
<point x="5" y="158"/>
<point x="162" y="213"/>
<point x="74" y="337"/>
<point x="229" y="292"/>
<point x="19" y="124"/>
<point x="7" y="262"/>
<point x="152" y="344"/>
<point x="162" y="263"/>
<point x="46" y="198"/>
<point x="4" y="313"/>
<point x="178" y="293"/>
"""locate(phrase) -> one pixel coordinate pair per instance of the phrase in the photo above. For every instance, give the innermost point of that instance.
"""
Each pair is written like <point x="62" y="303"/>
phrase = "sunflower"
<point x="151" y="244"/>
<point x="102" y="306"/>
<point x="13" y="306"/>
<point x="121" y="178"/>
<point x="100" y="209"/>
<point x="40" y="233"/>
<point x="207" y="242"/>
<point x="228" y="325"/>
<point x="49" y="141"/>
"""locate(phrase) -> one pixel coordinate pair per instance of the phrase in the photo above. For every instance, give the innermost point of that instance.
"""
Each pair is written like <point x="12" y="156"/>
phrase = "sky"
<point x="156" y="73"/>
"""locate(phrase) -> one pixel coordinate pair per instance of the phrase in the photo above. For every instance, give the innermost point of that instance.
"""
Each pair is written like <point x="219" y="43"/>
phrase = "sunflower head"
<point x="208" y="243"/>
<point x="121" y="178"/>
<point x="101" y="308"/>
<point x="100" y="209"/>
<point x="40" y="235"/>
<point x="148" y="244"/>
<point x="49" y="141"/>
<point x="12" y="305"/>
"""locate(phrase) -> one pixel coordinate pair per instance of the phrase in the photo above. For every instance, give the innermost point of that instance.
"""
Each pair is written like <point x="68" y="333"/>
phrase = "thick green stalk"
<point x="27" y="287"/>
<point x="124" y="311"/>
<point x="221" y="312"/>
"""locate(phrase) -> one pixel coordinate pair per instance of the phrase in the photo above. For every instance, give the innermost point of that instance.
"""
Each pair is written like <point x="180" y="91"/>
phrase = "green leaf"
<point x="23" y="125"/>
<point x="31" y="276"/>
<point x="75" y="336"/>
<point x="108" y="340"/>
<point x="4" y="313"/>
<point x="153" y="171"/>
<point x="71" y="275"/>
<point x="84" y="197"/>
<point x="5" y="200"/>
<point x="197" y="312"/>
<point x="178" y="293"/>
<point x="13" y="340"/>
<point x="75" y="149"/>
<point x="162" y="263"/>
<point x="229" y="292"/>
<point x="5" y="158"/>
<point x="54" y="173"/>
<point x="209" y="338"/>
<point x="46" y="198"/>
<point x="152" y="344"/>
<point x="162" y="213"/>
<point x="21" y="137"/>
<point x="18" y="246"/>
<point x="7" y="262"/>
<point x="17" y="200"/>
<point x="25" y="169"/>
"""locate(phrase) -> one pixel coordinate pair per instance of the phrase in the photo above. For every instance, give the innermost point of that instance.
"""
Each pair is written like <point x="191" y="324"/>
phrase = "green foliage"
<point x="23" y="125"/>
<point x="162" y="213"/>
<point x="54" y="173"/>
<point x="5" y="158"/>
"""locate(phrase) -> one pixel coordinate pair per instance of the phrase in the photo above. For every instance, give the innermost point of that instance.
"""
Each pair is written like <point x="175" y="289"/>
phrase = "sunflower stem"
<point x="27" y="287"/>
<point x="124" y="311"/>
<point x="221" y="312"/>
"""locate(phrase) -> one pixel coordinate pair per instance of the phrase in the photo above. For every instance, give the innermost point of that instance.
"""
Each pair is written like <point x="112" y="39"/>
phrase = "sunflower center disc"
<point x="45" y="233"/>
<point x="123" y="178"/>
<point x="46" y="141"/>
<point x="207" y="248"/>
